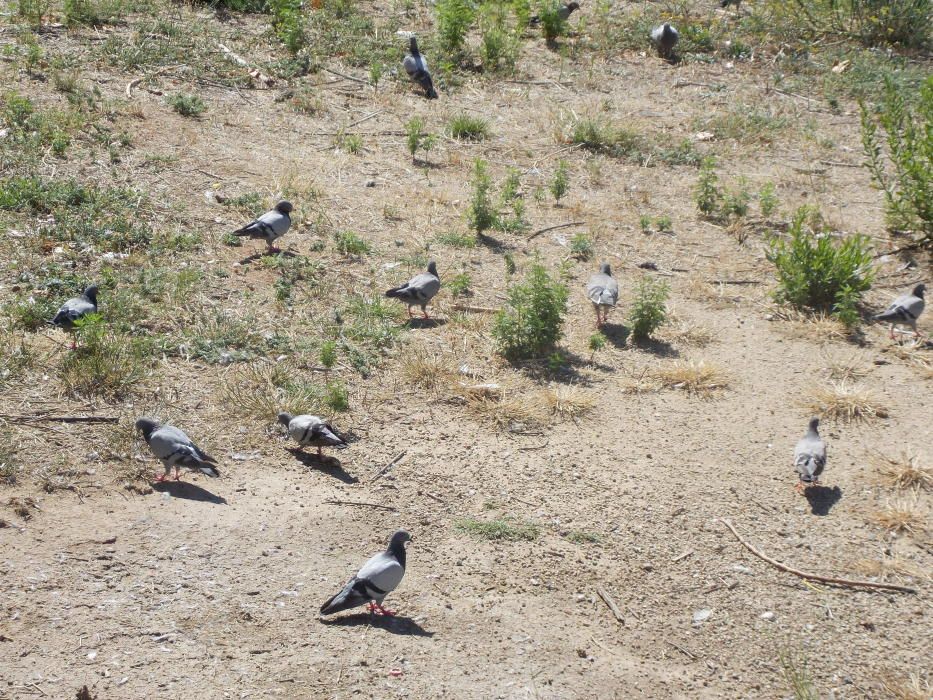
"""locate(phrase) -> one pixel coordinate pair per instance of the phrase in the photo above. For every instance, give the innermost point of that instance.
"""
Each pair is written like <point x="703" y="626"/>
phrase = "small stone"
<point x="370" y="183"/>
<point x="767" y="615"/>
<point x="701" y="616"/>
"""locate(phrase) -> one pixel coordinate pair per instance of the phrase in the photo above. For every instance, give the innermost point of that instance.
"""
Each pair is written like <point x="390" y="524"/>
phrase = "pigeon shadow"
<point x="416" y="322"/>
<point x="393" y="624"/>
<point x="188" y="491"/>
<point x="822" y="498"/>
<point x="325" y="463"/>
<point x="616" y="333"/>
<point x="263" y="253"/>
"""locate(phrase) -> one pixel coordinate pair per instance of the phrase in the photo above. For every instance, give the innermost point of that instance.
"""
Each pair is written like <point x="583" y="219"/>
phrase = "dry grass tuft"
<point x="846" y="368"/>
<point x="428" y="370"/>
<point x="818" y="327"/>
<point x="699" y="378"/>
<point x="913" y="687"/>
<point x="888" y="567"/>
<point x="567" y="400"/>
<point x="845" y="402"/>
<point x="915" y="355"/>
<point x="23" y="506"/>
<point x="903" y="513"/>
<point x="687" y="333"/>
<point x="507" y="410"/>
<point x="905" y="472"/>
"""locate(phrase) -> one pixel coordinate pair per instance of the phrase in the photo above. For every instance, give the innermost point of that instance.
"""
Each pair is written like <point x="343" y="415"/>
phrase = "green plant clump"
<point x="649" y="310"/>
<point x="500" y="529"/>
<point x="908" y="190"/>
<point x="481" y="215"/>
<point x="531" y="322"/>
<point x="467" y="128"/>
<point x="187" y="105"/>
<point x="454" y="18"/>
<point x="815" y="272"/>
<point x="561" y="182"/>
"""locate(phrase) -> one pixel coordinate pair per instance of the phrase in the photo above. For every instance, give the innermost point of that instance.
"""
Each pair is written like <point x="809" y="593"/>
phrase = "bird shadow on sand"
<point x="416" y="322"/>
<point x="325" y="463"/>
<point x="822" y="498"/>
<point x="616" y="333"/>
<point x="393" y="624"/>
<point x="263" y="253"/>
<point x="188" y="491"/>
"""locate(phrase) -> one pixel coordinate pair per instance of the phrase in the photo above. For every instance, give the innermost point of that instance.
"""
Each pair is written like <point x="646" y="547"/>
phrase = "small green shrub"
<point x="531" y="322"/>
<point x="649" y="307"/>
<point x="552" y="24"/>
<point x="187" y="105"/>
<point x="581" y="247"/>
<point x="336" y="397"/>
<point x="561" y="182"/>
<point x="509" y="264"/>
<point x="417" y="138"/>
<point x="814" y="272"/>
<point x="908" y="191"/>
<point x="454" y="18"/>
<point x="707" y="194"/>
<point x="328" y="354"/>
<point x="644" y="223"/>
<point x="481" y="215"/>
<point x="498" y="49"/>
<point x="664" y="223"/>
<point x="596" y="343"/>
<point x="352" y="143"/>
<point x="460" y="284"/>
<point x="349" y="243"/>
<point x="735" y="202"/>
<point x="288" y="23"/>
<point x="468" y="128"/>
<point x="767" y="199"/>
<point x="456" y="239"/>
<point x="500" y="529"/>
<point x="104" y="364"/>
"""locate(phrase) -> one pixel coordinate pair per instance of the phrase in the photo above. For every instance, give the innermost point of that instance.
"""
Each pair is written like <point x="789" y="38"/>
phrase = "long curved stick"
<point x="813" y="577"/>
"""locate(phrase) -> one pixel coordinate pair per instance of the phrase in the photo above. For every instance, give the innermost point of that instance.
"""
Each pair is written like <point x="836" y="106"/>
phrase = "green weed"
<point x="468" y="128"/>
<point x="649" y="307"/>
<point x="500" y="529"/>
<point x="531" y="321"/>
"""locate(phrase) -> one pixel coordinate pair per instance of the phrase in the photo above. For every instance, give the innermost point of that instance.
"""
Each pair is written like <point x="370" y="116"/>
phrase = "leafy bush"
<point x="908" y="191"/>
<point x="460" y="284"/>
<point x="873" y="22"/>
<point x="481" y="215"/>
<point x="498" y="49"/>
<point x="552" y="24"/>
<point x="581" y="247"/>
<point x="767" y="199"/>
<point x="814" y="272"/>
<point x="707" y="193"/>
<point x="187" y="105"/>
<point x="288" y="23"/>
<point x="467" y="128"/>
<point x="561" y="182"/>
<point x="417" y="138"/>
<point x="531" y="322"/>
<point x="454" y="18"/>
<point x="104" y="364"/>
<point x="350" y="243"/>
<point x="649" y="310"/>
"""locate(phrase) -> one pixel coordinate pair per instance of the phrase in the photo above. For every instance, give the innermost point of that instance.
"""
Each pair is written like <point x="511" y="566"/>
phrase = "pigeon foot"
<point x="160" y="477"/>
<point x="374" y="606"/>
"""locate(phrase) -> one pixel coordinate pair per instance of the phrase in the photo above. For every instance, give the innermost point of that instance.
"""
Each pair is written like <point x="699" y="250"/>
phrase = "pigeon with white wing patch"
<point x="905" y="310"/>
<point x="379" y="576"/>
<point x="810" y="456"/>
<point x="603" y="291"/>
<point x="270" y="226"/>
<point x="311" y="431"/>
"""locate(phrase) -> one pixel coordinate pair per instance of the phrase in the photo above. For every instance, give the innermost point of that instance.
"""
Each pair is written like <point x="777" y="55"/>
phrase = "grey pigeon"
<point x="810" y="456"/>
<point x="76" y="308"/>
<point x="378" y="577"/>
<point x="419" y="290"/>
<point x="175" y="449"/>
<point x="603" y="291"/>
<point x="417" y="69"/>
<point x="564" y="12"/>
<point x="270" y="226"/>
<point x="311" y="431"/>
<point x="906" y="309"/>
<point x="665" y="38"/>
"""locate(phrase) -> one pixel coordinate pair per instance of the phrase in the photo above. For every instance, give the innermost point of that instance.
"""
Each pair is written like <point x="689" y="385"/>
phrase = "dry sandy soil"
<point x="210" y="588"/>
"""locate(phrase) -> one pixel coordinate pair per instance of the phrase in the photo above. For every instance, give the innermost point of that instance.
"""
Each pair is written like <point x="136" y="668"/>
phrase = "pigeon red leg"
<point x="160" y="477"/>
<point x="382" y="610"/>
<point x="425" y="312"/>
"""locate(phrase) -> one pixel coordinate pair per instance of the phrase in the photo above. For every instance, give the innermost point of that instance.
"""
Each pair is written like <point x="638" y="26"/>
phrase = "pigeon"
<point x="76" y="308"/>
<point x="419" y="290"/>
<point x="665" y="38"/>
<point x="417" y="69"/>
<point x="603" y="291"/>
<point x="810" y="456"/>
<point x="906" y="309"/>
<point x="175" y="449"/>
<point x="564" y="12"/>
<point x="270" y="226"/>
<point x="378" y="577"/>
<point x="311" y="431"/>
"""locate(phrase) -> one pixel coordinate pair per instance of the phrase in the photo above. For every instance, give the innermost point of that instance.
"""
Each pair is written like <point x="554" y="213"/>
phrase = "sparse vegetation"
<point x="649" y="307"/>
<point x="905" y="472"/>
<point x="417" y="138"/>
<point x="187" y="105"/>
<point x="500" y="529"/>
<point x="468" y="128"/>
<point x="699" y="378"/>
<point x="845" y="402"/>
<point x="350" y="243"/>
<point x="568" y="401"/>
<point x="104" y="364"/>
<point x="581" y="247"/>
<point x="531" y="322"/>
<point x="903" y="514"/>
<point x="481" y="215"/>
<point x="797" y="676"/>
<point x="561" y="182"/>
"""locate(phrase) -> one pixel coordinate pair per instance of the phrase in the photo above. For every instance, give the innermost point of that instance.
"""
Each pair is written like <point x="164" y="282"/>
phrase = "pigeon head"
<point x="146" y="426"/>
<point x="413" y="46"/>
<point x="91" y="293"/>
<point x="285" y="418"/>
<point x="571" y="6"/>
<point x="432" y="268"/>
<point x="814" y="424"/>
<point x="397" y="545"/>
<point x="605" y="269"/>
<point x="284" y="207"/>
<point x="919" y="290"/>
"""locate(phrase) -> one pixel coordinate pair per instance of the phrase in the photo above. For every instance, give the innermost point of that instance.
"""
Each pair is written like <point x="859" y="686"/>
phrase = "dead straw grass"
<point x="903" y="513"/>
<point x="428" y="370"/>
<point x="845" y="402"/>
<point x="567" y="400"/>
<point x="910" y="687"/>
<point x="890" y="567"/>
<point x="699" y="378"/>
<point x="904" y="472"/>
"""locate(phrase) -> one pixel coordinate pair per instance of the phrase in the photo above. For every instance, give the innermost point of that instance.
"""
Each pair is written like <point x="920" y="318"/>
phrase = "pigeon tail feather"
<point x="353" y="595"/>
